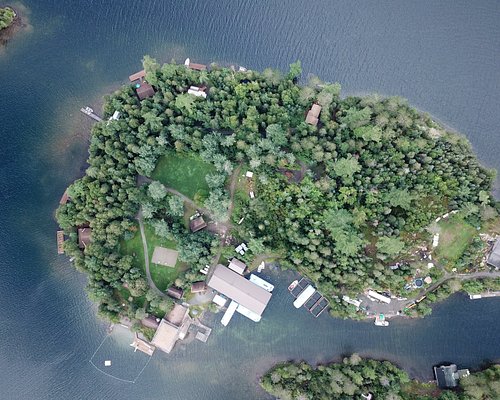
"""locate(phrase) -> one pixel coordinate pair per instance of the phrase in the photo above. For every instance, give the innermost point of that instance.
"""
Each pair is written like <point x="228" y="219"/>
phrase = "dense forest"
<point x="338" y="201"/>
<point x="7" y="16"/>
<point x="357" y="378"/>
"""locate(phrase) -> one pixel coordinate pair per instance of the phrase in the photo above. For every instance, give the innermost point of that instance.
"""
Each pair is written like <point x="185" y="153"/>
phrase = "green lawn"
<point x="183" y="173"/>
<point x="455" y="236"/>
<point x="162" y="276"/>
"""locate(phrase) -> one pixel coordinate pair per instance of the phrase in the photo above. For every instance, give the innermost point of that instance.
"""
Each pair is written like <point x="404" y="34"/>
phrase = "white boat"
<point x="187" y="62"/>
<point x="304" y="296"/>
<point x="261" y="282"/>
<point x="293" y="285"/>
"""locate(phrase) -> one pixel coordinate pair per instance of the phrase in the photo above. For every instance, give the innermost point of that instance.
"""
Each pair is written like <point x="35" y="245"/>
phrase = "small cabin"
<point x="144" y="90"/>
<point x="175" y="292"/>
<point x="312" y="117"/>
<point x="198" y="287"/>
<point x="197" y="224"/>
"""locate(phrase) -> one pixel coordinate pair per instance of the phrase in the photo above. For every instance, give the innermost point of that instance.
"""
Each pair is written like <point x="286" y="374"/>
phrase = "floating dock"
<point x="88" y="111"/>
<point x="229" y="313"/>
<point x="60" y="242"/>
<point x="306" y="295"/>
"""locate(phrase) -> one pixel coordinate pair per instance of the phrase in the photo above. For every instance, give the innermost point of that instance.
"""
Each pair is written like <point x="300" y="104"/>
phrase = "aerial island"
<point x="192" y="167"/>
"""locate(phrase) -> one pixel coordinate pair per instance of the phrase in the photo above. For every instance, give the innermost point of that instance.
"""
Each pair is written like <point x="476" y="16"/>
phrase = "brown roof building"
<point x="144" y="90"/>
<point x="198" y="287"/>
<point x="84" y="237"/>
<point x="241" y="290"/>
<point x="175" y="292"/>
<point x="313" y="115"/>
<point x="197" y="224"/>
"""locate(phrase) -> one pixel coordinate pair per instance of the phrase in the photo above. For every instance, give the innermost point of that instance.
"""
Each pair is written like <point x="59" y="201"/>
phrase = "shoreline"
<point x="17" y="24"/>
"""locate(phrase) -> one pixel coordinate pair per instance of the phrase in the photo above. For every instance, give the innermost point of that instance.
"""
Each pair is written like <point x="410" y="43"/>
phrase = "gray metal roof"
<point x="239" y="289"/>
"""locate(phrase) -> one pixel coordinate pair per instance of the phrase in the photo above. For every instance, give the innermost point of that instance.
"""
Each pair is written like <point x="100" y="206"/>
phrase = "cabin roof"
<point x="144" y="91"/>
<point x="197" y="224"/>
<point x="198" y="287"/>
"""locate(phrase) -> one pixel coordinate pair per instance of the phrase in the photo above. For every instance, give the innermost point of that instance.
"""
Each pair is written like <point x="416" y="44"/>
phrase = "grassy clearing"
<point x="455" y="236"/>
<point x="162" y="276"/>
<point x="184" y="173"/>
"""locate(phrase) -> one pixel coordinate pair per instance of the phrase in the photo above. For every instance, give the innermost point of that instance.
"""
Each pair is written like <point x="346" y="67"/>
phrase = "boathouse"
<point x="494" y="257"/>
<point x="144" y="90"/>
<point x="252" y="299"/>
<point x="313" y="115"/>
<point x="84" y="237"/>
<point x="447" y="376"/>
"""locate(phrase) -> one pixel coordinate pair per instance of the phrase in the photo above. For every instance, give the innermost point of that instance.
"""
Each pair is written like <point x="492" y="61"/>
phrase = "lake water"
<point x="443" y="56"/>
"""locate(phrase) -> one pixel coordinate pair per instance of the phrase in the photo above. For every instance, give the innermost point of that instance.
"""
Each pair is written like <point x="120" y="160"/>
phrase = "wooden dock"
<point x="88" y="111"/>
<point x="60" y="242"/>
<point x="316" y="304"/>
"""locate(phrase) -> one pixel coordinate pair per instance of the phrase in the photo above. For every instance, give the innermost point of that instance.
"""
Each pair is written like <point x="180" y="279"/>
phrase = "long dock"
<point x="60" y="242"/>
<point x="88" y="111"/>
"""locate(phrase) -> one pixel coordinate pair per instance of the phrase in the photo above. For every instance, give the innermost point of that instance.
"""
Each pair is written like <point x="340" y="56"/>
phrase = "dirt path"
<point x="146" y="256"/>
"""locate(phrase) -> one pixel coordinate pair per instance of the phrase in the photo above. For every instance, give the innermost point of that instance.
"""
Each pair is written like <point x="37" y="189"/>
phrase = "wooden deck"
<point x="60" y="242"/>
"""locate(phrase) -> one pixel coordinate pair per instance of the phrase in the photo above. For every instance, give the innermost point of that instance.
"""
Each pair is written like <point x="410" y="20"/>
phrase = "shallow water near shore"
<point x="442" y="56"/>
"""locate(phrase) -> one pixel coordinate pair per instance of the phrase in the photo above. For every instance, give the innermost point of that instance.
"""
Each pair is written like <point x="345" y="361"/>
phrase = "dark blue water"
<point x="444" y="56"/>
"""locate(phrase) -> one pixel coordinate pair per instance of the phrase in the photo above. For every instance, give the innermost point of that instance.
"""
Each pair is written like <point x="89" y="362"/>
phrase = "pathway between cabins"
<point x="146" y="256"/>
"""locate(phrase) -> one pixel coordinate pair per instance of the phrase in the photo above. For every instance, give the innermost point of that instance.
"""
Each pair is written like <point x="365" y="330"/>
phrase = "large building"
<point x="252" y="298"/>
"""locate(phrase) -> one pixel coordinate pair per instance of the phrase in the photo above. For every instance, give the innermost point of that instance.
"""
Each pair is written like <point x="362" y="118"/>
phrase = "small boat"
<point x="381" y="321"/>
<point x="293" y="285"/>
<point x="187" y="62"/>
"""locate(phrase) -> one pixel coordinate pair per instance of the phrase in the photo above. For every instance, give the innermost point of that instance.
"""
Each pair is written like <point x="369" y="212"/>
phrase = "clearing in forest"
<point x="455" y="235"/>
<point x="184" y="173"/>
<point x="162" y="276"/>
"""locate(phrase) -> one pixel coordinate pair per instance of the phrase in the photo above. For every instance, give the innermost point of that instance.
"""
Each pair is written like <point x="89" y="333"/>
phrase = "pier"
<point x="306" y="295"/>
<point x="60" y="242"/>
<point x="90" y="112"/>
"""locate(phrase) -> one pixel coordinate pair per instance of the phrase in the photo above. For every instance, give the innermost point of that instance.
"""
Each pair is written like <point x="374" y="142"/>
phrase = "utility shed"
<point x="494" y="257"/>
<point x="237" y="266"/>
<point x="239" y="289"/>
<point x="84" y="237"/>
<point x="144" y="90"/>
